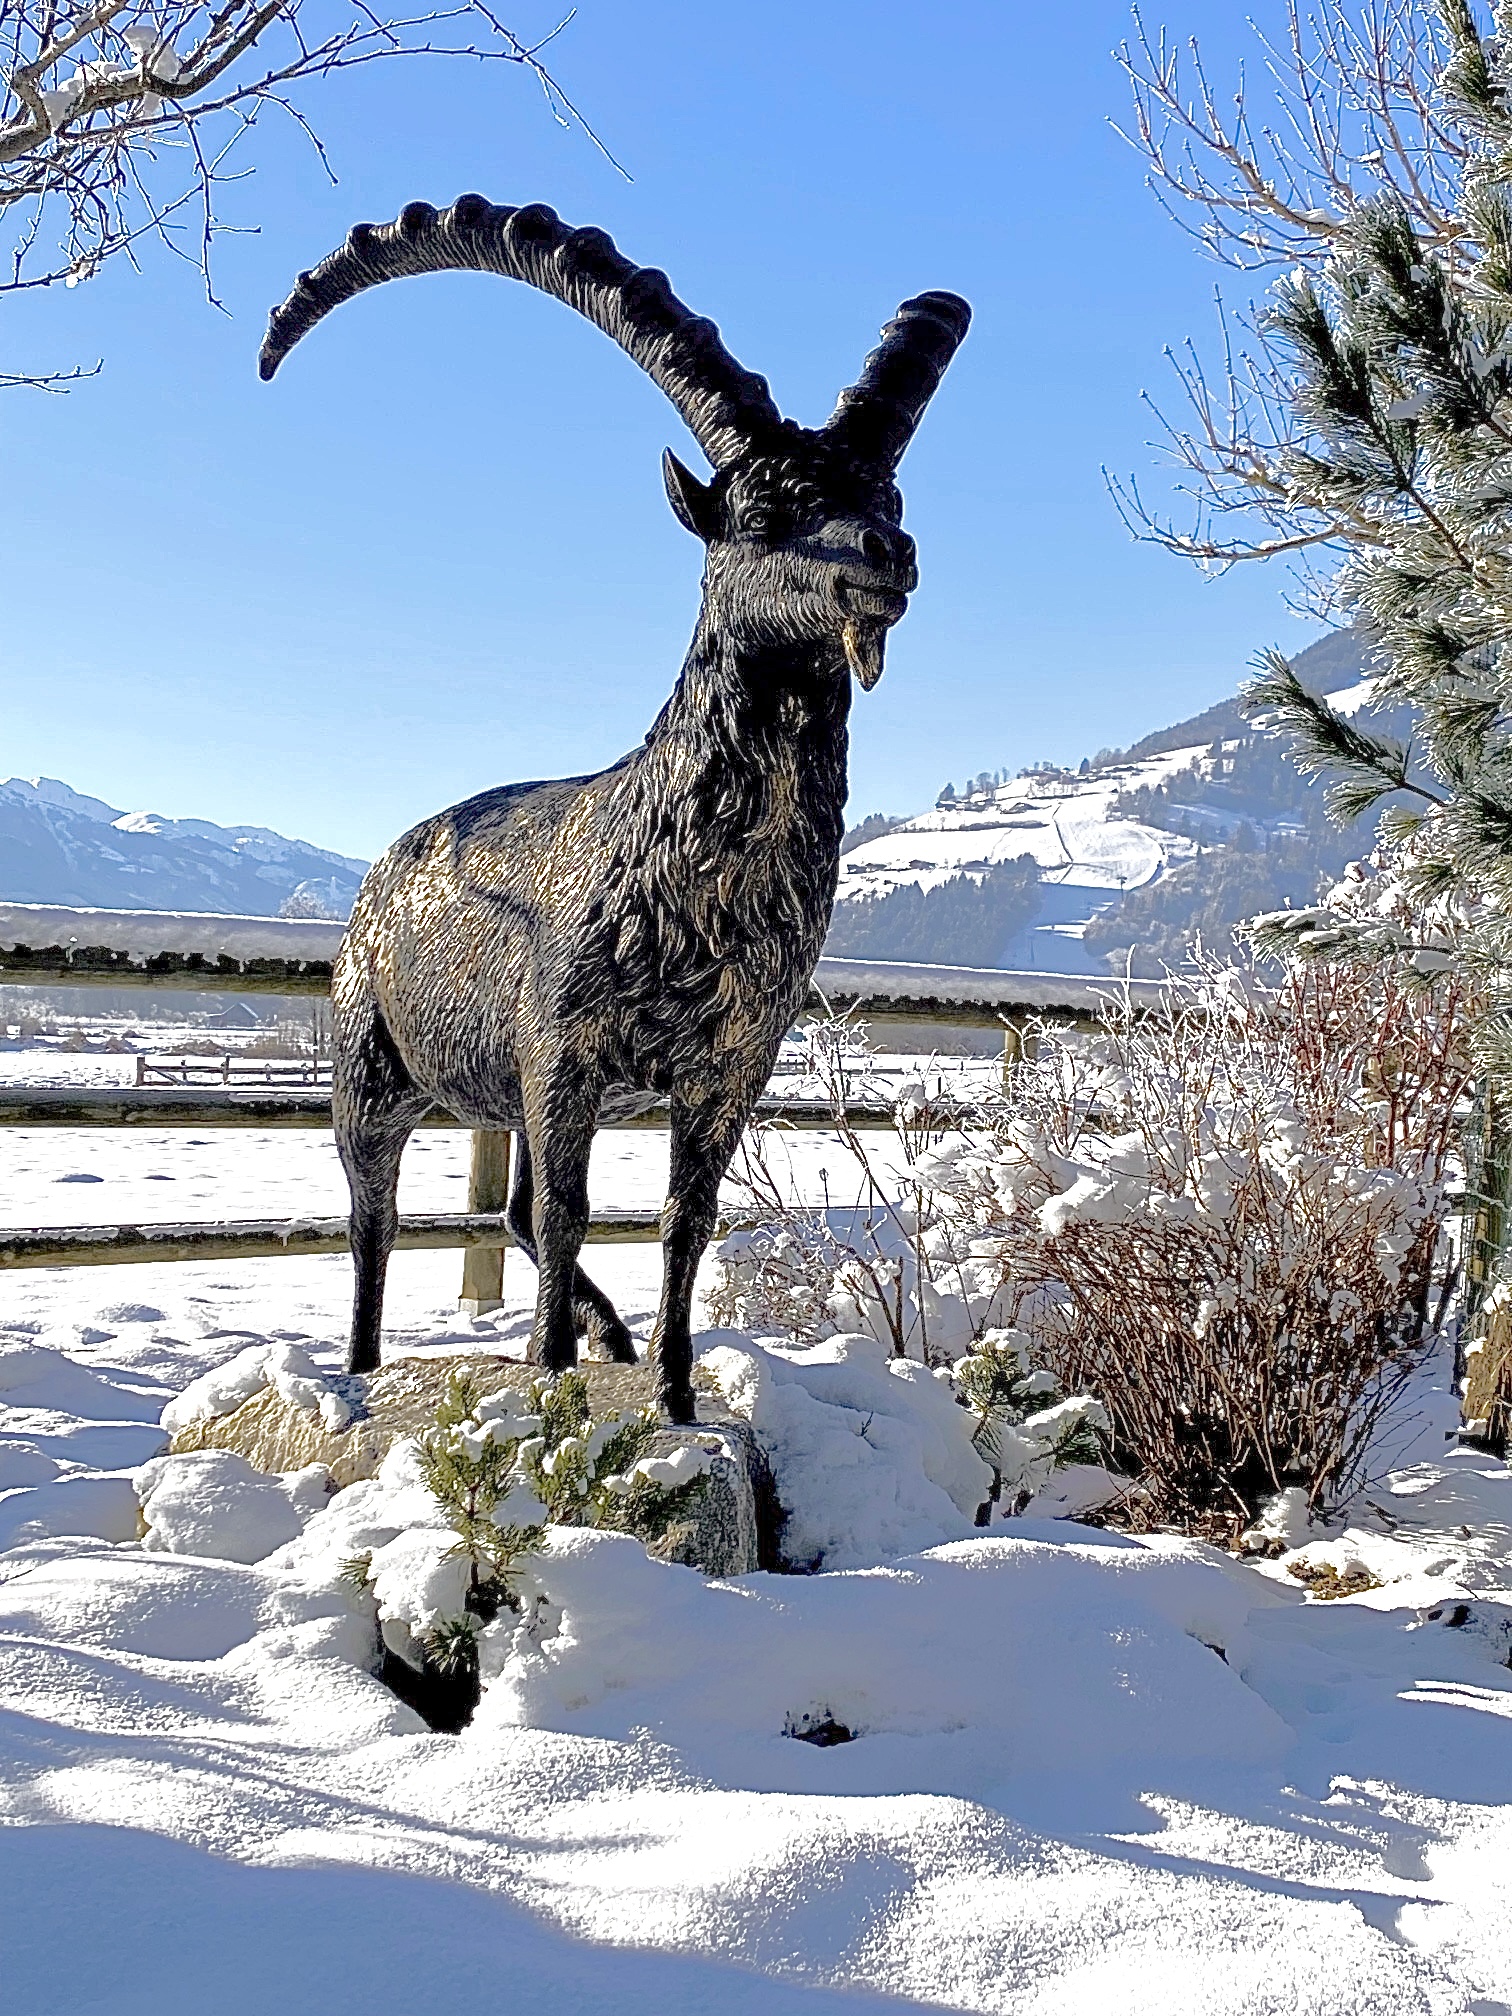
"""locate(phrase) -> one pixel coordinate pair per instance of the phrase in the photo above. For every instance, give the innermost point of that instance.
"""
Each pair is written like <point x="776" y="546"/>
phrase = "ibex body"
<point x="546" y="954"/>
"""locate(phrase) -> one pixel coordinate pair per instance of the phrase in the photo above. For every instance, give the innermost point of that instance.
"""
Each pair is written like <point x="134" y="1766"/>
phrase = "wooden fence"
<point x="233" y="1070"/>
<point x="46" y="945"/>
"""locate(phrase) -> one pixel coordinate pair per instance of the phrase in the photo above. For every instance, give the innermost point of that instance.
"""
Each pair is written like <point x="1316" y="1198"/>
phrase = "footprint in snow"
<point x="79" y="1177"/>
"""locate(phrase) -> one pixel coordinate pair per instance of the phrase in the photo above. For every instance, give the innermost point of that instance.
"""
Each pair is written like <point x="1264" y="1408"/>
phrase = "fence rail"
<point x="43" y="944"/>
<point x="233" y="1070"/>
<point x="300" y="1106"/>
<point x="270" y="1238"/>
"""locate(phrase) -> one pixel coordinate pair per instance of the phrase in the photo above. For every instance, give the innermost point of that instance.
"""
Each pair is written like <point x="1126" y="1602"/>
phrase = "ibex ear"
<point x="691" y="500"/>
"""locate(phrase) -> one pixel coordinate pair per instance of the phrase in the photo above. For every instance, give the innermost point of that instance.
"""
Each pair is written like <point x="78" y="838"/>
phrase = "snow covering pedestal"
<point x="730" y="1530"/>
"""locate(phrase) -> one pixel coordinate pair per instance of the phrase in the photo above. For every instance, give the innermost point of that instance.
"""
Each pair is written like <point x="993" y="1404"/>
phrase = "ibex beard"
<point x="548" y="956"/>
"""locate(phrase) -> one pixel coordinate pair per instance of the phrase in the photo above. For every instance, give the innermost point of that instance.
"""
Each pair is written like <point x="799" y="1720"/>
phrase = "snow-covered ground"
<point x="1086" y="858"/>
<point x="109" y="1176"/>
<point x="1089" y="1774"/>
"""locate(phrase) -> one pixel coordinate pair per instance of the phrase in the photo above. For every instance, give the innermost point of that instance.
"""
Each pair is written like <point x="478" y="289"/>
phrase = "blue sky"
<point x="434" y="554"/>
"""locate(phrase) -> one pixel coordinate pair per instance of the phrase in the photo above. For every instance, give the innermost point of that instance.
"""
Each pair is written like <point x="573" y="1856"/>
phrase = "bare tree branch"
<point x="1352" y="107"/>
<point x="1353" y="115"/>
<point x="112" y="123"/>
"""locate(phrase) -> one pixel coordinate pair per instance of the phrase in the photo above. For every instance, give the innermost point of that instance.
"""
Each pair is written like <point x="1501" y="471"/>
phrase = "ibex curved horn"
<point x="727" y="409"/>
<point x="875" y="418"/>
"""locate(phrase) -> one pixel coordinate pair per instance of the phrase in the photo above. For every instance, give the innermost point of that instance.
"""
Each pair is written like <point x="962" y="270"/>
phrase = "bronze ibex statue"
<point x="547" y="954"/>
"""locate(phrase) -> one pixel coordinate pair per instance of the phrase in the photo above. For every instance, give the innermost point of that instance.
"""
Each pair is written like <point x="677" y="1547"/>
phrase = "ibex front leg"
<point x="559" y="1121"/>
<point x="703" y="1140"/>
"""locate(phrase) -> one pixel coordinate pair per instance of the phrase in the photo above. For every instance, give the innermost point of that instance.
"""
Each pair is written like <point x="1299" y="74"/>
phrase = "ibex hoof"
<point x="614" y="1342"/>
<point x="680" y="1407"/>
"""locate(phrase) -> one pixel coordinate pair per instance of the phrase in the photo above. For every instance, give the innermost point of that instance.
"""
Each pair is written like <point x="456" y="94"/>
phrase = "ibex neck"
<point x="738" y="706"/>
<point x="727" y="826"/>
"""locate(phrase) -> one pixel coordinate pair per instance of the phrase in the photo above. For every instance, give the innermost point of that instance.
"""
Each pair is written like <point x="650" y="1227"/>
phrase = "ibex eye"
<point x="758" y="521"/>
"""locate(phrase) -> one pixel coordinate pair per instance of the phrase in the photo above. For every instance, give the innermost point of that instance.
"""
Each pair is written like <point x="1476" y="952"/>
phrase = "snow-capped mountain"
<point x="59" y="846"/>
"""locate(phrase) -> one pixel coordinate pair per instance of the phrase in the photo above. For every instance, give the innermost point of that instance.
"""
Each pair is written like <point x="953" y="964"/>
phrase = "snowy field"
<point x="1090" y="1774"/>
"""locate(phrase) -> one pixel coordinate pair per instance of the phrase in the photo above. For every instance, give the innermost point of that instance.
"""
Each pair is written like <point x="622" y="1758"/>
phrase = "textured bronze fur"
<point x="545" y="953"/>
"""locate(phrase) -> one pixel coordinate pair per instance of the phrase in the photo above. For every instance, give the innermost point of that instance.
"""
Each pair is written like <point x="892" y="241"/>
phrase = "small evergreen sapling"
<point x="1025" y="1428"/>
<point x="599" y="1472"/>
<point x="469" y="1462"/>
<point x="504" y="1466"/>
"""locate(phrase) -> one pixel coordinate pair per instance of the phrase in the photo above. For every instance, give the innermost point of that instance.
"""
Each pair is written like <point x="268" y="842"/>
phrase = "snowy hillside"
<point x="1086" y="858"/>
<point x="1134" y="855"/>
<point x="59" y="846"/>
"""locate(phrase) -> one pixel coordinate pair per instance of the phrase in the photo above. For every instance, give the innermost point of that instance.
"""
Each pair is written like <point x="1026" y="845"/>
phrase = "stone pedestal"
<point x="730" y="1530"/>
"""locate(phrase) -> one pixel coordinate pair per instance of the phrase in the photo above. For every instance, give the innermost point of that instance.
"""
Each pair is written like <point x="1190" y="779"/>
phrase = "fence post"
<point x="1488" y="1188"/>
<point x="487" y="1190"/>
<point x="1487" y="1370"/>
<point x="1019" y="1046"/>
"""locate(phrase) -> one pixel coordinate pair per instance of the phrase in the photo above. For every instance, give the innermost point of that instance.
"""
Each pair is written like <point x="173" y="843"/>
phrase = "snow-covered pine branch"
<point x="1366" y="409"/>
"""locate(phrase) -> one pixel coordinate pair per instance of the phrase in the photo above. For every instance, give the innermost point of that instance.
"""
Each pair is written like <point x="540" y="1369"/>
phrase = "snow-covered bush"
<point x="1221" y="1220"/>
<point x="1389" y="918"/>
<point x="887" y="1264"/>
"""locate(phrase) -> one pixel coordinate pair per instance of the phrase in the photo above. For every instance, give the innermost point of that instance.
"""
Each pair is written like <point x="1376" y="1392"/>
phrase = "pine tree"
<point x="1372" y="421"/>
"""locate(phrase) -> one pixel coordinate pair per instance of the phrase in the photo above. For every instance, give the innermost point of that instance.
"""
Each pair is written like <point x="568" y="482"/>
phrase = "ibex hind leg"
<point x="593" y="1314"/>
<point x="561" y="1113"/>
<point x="375" y="1108"/>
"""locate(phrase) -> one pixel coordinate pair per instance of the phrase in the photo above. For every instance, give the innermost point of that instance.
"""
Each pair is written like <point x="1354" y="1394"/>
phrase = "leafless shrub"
<point x="1223" y="1220"/>
<point x="866" y="1256"/>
